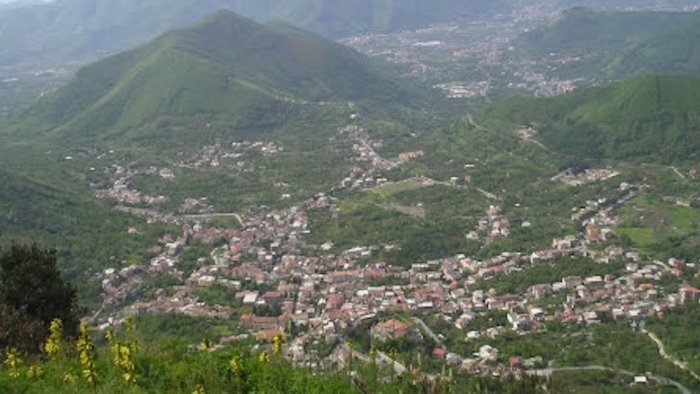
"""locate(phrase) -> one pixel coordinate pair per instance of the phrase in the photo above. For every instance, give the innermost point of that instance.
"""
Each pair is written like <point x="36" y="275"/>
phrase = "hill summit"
<point x="225" y="65"/>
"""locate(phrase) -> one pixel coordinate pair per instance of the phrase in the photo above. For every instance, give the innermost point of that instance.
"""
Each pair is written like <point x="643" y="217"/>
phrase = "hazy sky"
<point x="21" y="1"/>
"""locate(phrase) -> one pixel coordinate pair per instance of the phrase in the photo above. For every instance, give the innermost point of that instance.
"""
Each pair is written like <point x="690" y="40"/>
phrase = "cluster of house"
<point x="118" y="187"/>
<point x="364" y="147"/>
<point x="576" y="177"/>
<point x="182" y="302"/>
<point x="195" y="205"/>
<point x="602" y="211"/>
<point x="325" y="292"/>
<point x="458" y="90"/>
<point x="492" y="227"/>
<point x="213" y="155"/>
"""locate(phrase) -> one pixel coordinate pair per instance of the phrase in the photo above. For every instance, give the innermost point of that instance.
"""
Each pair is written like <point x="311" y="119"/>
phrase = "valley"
<point x="443" y="204"/>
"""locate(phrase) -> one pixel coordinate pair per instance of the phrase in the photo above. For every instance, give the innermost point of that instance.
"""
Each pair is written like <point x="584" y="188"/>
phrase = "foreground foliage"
<point x="126" y="366"/>
<point x="32" y="294"/>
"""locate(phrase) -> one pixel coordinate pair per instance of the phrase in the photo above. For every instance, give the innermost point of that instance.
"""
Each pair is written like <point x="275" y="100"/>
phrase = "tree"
<point x="34" y="292"/>
<point x="19" y="330"/>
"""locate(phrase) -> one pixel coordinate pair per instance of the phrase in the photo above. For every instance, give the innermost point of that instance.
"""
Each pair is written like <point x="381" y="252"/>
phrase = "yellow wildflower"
<point x="129" y="324"/>
<point x="52" y="347"/>
<point x="206" y="345"/>
<point x="236" y="365"/>
<point x="264" y="357"/>
<point x="69" y="378"/>
<point x="123" y="353"/>
<point x="86" y="351"/>
<point x="34" y="372"/>
<point x="278" y="342"/>
<point x="13" y="362"/>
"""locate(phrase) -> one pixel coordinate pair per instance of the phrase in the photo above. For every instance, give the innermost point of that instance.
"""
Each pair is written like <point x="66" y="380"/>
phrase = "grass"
<point x="678" y="331"/>
<point x="647" y="118"/>
<point x="641" y="237"/>
<point x="610" y="345"/>
<point x="649" y="221"/>
<point x="424" y="222"/>
<point x="388" y="190"/>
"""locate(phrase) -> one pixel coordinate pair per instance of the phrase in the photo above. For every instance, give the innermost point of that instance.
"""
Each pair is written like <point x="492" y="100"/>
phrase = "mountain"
<point x="581" y="31"/>
<point x="676" y="51"/>
<point x="618" y="45"/>
<point x="86" y="29"/>
<point x="648" y="118"/>
<point x="227" y="66"/>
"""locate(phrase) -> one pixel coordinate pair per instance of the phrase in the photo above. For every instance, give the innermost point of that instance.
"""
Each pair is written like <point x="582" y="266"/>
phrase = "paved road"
<point x="384" y="162"/>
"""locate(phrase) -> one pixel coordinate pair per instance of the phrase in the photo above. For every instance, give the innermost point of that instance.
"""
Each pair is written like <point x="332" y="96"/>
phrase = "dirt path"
<point x="205" y="216"/>
<point x="666" y="356"/>
<point x="428" y="330"/>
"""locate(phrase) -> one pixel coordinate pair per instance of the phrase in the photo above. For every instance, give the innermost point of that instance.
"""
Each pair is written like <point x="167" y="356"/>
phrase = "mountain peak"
<point x="224" y="21"/>
<point x="227" y="64"/>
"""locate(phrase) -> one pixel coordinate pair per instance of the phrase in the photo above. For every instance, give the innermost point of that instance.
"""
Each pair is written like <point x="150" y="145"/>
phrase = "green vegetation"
<point x="679" y="332"/>
<point x="619" y="44"/>
<point x="610" y="345"/>
<point x="88" y="235"/>
<point x="32" y="294"/>
<point x="675" y="51"/>
<point x="604" y="382"/>
<point x="662" y="228"/>
<point x="127" y="363"/>
<point x="422" y="223"/>
<point x="196" y="73"/>
<point x="164" y="328"/>
<point x="650" y="118"/>
<point x="581" y="31"/>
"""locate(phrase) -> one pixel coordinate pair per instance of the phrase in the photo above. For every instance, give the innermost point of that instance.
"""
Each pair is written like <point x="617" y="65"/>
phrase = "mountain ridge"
<point x="619" y="45"/>
<point x="227" y="64"/>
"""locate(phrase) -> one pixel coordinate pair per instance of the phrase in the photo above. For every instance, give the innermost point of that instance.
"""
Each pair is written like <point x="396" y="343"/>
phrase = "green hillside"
<point x="86" y="232"/>
<point x="617" y="45"/>
<point x="676" y="51"/>
<point x="651" y="118"/>
<point x="87" y="29"/>
<point x="227" y="66"/>
<point x="582" y="30"/>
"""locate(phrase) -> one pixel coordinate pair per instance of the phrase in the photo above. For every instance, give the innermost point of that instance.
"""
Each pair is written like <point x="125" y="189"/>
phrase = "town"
<point x="280" y="284"/>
